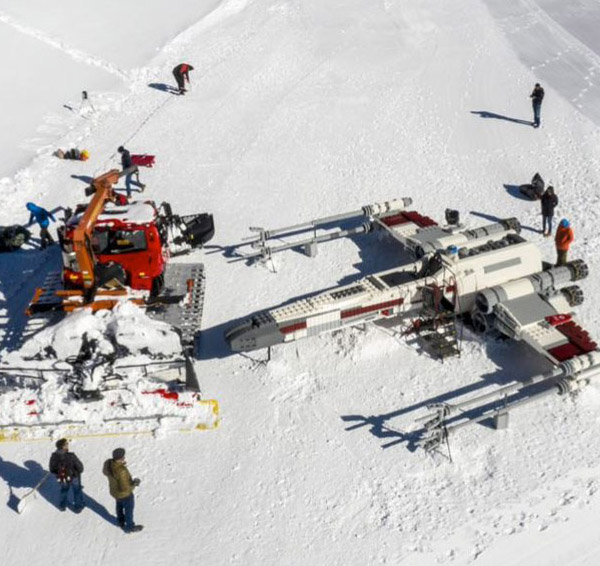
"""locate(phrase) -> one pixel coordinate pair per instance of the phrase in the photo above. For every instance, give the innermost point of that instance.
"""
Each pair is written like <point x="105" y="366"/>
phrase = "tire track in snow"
<point x="73" y="52"/>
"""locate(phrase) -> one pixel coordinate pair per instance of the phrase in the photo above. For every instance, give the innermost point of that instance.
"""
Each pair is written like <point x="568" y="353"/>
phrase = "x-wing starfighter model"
<point x="491" y="276"/>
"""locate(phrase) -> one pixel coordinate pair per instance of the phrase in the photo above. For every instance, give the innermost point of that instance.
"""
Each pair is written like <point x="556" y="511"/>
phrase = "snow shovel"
<point x="31" y="494"/>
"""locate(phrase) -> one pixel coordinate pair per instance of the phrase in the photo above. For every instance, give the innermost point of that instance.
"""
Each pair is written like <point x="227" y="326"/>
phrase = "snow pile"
<point x="125" y="331"/>
<point x="92" y="369"/>
<point x="130" y="406"/>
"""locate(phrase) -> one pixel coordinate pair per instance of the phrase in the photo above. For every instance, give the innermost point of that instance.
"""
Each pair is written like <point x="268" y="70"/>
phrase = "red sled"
<point x="143" y="160"/>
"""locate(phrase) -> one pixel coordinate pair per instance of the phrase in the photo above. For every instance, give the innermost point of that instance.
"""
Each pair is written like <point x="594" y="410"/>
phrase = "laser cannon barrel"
<point x="368" y="210"/>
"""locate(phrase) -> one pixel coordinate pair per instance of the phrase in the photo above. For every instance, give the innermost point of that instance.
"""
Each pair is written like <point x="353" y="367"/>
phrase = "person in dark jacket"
<point x="182" y="74"/>
<point x="42" y="217"/>
<point x="131" y="170"/>
<point x="121" y="486"/>
<point x="549" y="202"/>
<point x="536" y="100"/>
<point x="67" y="468"/>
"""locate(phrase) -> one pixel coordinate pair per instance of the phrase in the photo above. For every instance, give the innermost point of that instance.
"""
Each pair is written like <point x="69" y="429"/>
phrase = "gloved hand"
<point x="137" y="481"/>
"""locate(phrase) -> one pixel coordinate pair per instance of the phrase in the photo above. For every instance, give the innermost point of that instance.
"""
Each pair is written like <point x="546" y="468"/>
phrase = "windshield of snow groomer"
<point x="118" y="241"/>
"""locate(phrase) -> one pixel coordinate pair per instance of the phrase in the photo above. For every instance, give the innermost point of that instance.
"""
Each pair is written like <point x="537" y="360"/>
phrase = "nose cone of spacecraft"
<point x="261" y="331"/>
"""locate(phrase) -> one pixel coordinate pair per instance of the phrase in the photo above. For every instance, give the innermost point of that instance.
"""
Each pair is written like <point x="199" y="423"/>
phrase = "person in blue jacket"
<point x="42" y="217"/>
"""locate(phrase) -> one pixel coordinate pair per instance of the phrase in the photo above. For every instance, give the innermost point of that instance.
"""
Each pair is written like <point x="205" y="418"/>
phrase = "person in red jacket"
<point x="563" y="239"/>
<point x="182" y="74"/>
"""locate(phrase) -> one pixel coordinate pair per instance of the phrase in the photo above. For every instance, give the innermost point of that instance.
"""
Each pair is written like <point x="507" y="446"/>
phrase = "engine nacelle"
<point x="441" y="241"/>
<point x="573" y="294"/>
<point x="537" y="283"/>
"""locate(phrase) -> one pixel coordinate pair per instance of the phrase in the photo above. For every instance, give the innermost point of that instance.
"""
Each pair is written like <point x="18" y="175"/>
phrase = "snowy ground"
<point x="301" y="109"/>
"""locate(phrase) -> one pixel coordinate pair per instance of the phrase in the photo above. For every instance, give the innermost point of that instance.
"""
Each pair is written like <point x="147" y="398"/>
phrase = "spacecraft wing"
<point x="547" y="325"/>
<point x="404" y="224"/>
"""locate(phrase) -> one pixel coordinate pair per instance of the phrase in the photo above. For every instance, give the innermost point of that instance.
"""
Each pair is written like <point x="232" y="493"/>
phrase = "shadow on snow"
<point x="515" y="362"/>
<point x="486" y="114"/>
<point x="21" y="272"/>
<point x="28" y="476"/>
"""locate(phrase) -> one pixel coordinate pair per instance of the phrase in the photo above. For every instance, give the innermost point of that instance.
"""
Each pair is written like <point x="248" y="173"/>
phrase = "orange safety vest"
<point x="564" y="238"/>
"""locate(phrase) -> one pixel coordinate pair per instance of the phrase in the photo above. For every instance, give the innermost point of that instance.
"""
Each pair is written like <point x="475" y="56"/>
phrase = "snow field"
<point x="300" y="110"/>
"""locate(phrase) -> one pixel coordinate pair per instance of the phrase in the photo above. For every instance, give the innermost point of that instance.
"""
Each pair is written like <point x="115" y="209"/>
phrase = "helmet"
<point x="565" y="223"/>
<point x="120" y="149"/>
<point x="30" y="206"/>
<point x="84" y="155"/>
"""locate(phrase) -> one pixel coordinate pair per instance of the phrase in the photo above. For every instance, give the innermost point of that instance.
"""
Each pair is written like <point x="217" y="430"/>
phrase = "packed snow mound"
<point x="125" y="330"/>
<point x="98" y="373"/>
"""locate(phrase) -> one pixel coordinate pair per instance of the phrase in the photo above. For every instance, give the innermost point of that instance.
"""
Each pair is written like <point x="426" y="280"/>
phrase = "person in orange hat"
<point x="563" y="240"/>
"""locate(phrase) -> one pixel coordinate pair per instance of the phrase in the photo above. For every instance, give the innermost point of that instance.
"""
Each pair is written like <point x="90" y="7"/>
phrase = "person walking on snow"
<point x="563" y="240"/>
<point x="549" y="202"/>
<point x="536" y="100"/>
<point x="130" y="170"/>
<point x="121" y="486"/>
<point x="182" y="74"/>
<point x="67" y="468"/>
<point x="42" y="217"/>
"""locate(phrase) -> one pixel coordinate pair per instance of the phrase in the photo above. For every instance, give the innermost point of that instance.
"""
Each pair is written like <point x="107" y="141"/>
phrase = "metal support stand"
<point x="311" y="249"/>
<point x="85" y="100"/>
<point x="501" y="420"/>
<point x="501" y="417"/>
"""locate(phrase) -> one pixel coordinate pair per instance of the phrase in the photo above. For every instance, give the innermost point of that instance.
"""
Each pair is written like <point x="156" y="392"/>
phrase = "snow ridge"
<point x="73" y="52"/>
<point x="224" y="10"/>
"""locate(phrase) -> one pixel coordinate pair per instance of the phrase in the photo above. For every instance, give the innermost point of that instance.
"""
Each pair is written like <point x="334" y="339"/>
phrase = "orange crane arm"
<point x="82" y="235"/>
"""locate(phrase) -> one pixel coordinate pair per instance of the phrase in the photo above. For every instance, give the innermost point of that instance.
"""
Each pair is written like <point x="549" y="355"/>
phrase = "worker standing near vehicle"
<point x="130" y="170"/>
<point x="182" y="74"/>
<point x="536" y="101"/>
<point x="549" y="202"/>
<point x="121" y="486"/>
<point x="42" y="217"/>
<point x="67" y="468"/>
<point x="563" y="239"/>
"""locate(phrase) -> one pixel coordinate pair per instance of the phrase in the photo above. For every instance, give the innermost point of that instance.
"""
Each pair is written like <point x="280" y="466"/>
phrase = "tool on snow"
<point x="31" y="494"/>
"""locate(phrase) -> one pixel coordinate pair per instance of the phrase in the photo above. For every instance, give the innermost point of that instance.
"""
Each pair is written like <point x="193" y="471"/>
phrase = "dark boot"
<point x="135" y="529"/>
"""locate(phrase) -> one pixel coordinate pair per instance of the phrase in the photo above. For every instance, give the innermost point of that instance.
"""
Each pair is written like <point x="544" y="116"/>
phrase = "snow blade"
<point x="204" y="415"/>
<point x="31" y="494"/>
<point x="191" y="379"/>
